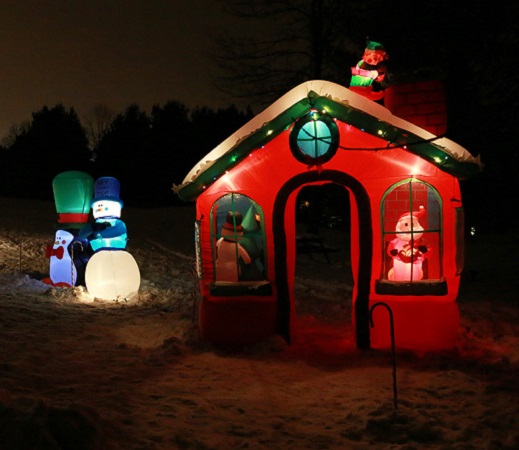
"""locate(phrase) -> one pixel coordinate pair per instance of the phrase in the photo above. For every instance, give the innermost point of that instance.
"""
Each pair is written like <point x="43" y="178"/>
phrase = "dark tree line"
<point x="465" y="43"/>
<point x="146" y="152"/>
<point x="52" y="142"/>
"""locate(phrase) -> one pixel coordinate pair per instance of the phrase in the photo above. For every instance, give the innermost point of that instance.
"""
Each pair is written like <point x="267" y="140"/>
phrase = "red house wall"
<point x="243" y="319"/>
<point x="422" y="103"/>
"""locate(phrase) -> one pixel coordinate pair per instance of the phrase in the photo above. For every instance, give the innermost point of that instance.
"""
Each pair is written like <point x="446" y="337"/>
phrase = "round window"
<point x="314" y="138"/>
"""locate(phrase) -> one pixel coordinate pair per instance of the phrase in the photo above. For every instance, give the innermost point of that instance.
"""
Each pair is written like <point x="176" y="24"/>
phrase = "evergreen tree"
<point x="52" y="143"/>
<point x="123" y="151"/>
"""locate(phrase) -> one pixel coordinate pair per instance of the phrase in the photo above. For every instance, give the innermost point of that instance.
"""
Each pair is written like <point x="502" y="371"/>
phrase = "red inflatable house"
<point x="406" y="218"/>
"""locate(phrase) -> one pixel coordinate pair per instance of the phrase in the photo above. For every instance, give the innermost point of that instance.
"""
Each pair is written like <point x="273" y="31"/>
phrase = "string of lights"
<point x="390" y="145"/>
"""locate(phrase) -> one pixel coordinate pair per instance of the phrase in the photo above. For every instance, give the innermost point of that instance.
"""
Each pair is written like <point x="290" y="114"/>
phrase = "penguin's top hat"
<point x="107" y="188"/>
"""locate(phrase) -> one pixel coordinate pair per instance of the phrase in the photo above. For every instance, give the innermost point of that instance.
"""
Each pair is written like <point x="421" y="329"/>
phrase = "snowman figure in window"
<point x="229" y="251"/>
<point x="408" y="249"/>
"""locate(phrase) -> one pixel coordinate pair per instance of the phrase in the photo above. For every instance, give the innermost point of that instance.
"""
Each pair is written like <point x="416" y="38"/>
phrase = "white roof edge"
<point x="337" y="93"/>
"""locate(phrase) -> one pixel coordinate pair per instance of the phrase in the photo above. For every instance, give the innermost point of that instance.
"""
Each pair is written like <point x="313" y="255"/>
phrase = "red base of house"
<point x="236" y="321"/>
<point x="418" y="325"/>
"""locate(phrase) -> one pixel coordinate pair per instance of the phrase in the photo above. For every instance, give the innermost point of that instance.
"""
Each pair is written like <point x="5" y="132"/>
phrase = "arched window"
<point x="237" y="232"/>
<point x="411" y="235"/>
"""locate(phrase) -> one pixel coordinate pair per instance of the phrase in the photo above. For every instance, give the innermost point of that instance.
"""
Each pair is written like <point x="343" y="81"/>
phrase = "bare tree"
<point x="97" y="123"/>
<point x="290" y="41"/>
<point x="15" y="130"/>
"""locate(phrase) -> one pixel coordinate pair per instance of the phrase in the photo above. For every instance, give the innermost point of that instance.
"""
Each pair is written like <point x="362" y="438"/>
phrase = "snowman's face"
<point x="106" y="208"/>
<point x="407" y="224"/>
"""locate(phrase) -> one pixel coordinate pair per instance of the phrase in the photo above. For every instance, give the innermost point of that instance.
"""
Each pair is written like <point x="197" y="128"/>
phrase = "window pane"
<point x="239" y="250"/>
<point x="314" y="138"/>
<point x="411" y="233"/>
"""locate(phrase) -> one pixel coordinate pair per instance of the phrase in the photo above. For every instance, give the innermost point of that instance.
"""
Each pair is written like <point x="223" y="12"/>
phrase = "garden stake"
<point x="392" y="330"/>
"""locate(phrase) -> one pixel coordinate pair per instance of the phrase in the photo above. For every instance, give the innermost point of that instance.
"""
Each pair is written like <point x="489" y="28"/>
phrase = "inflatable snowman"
<point x="408" y="249"/>
<point x="109" y="231"/>
<point x="112" y="273"/>
<point x="63" y="272"/>
<point x="229" y="251"/>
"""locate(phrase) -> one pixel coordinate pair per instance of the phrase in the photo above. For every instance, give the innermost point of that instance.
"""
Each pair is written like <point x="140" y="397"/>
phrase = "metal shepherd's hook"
<point x="393" y="357"/>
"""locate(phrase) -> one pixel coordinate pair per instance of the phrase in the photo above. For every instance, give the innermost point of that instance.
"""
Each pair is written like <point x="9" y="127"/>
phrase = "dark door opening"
<point x="362" y="248"/>
<point x="323" y="281"/>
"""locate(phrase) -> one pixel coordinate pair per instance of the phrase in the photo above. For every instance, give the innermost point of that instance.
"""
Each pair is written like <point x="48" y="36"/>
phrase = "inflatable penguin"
<point x="63" y="272"/>
<point x="73" y="193"/>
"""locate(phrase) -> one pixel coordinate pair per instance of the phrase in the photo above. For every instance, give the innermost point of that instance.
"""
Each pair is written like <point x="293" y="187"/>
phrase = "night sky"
<point x="109" y="52"/>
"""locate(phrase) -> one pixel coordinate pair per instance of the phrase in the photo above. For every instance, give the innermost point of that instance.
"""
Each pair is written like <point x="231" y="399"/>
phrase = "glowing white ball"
<point x="112" y="275"/>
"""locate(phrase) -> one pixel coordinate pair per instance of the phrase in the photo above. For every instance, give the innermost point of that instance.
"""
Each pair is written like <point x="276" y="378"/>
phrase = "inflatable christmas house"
<point x="406" y="217"/>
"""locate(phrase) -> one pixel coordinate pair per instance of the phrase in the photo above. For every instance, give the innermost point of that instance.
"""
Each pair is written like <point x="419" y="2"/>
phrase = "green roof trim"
<point x="396" y="138"/>
<point x="242" y="149"/>
<point x="399" y="138"/>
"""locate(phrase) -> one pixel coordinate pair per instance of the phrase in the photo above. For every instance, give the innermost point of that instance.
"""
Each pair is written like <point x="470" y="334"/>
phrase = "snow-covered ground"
<point x="82" y="374"/>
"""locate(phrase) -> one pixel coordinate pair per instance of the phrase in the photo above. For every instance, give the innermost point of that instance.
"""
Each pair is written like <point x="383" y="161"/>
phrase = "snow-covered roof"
<point x="335" y="99"/>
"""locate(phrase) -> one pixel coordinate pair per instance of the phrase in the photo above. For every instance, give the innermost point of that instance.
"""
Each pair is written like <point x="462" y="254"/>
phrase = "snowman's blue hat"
<point x="107" y="188"/>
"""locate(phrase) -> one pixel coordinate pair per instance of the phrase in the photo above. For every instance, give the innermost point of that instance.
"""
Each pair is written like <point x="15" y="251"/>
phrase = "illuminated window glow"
<point x="238" y="239"/>
<point x="411" y="213"/>
<point x="314" y="138"/>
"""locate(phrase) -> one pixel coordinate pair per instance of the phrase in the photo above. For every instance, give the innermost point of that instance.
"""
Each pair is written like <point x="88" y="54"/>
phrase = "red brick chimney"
<point x="422" y="103"/>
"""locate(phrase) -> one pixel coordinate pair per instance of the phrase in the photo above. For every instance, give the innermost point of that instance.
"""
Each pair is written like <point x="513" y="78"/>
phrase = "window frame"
<point x="241" y="287"/>
<point x="299" y="153"/>
<point x="429" y="286"/>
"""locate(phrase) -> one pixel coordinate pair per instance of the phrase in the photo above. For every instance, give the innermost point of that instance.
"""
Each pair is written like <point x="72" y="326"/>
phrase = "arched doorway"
<point x="323" y="277"/>
<point x="321" y="323"/>
<point x="362" y="251"/>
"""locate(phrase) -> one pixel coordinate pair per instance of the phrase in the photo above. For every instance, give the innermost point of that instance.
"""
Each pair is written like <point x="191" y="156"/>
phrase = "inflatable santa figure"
<point x="408" y="249"/>
<point x="229" y="251"/>
<point x="369" y="74"/>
